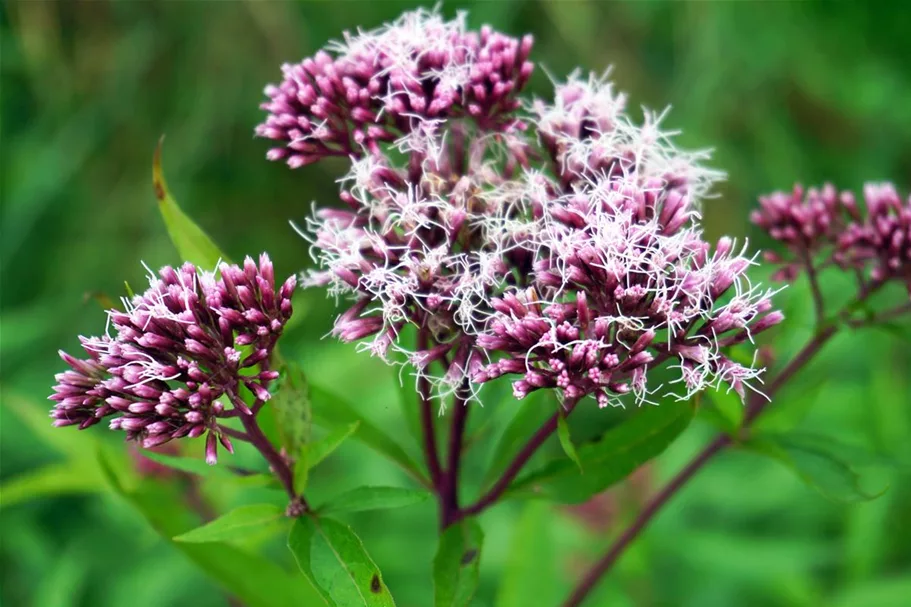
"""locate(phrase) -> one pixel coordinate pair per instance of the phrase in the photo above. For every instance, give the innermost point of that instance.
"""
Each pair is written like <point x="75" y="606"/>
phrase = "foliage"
<point x="79" y="214"/>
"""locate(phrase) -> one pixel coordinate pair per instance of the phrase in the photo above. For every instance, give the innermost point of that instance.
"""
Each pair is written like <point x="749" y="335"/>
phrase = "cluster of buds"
<point x="581" y="274"/>
<point x="192" y="338"/>
<point x="376" y="86"/>
<point x="826" y="226"/>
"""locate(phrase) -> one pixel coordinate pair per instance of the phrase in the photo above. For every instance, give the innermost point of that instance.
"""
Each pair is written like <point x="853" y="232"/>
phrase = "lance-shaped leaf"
<point x="566" y="441"/>
<point x="722" y="408"/>
<point x="256" y="581"/>
<point x="291" y="405"/>
<point x="826" y="465"/>
<point x="456" y="565"/>
<point x="333" y="558"/>
<point x="52" y="480"/>
<point x="332" y="412"/>
<point x="374" y="498"/>
<point x="191" y="242"/>
<point x="529" y="415"/>
<point x="234" y="525"/>
<point x="314" y="452"/>
<point x="612" y="457"/>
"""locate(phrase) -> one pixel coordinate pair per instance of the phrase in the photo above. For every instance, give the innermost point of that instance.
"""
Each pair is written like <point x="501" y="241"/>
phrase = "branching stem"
<point x="755" y="406"/>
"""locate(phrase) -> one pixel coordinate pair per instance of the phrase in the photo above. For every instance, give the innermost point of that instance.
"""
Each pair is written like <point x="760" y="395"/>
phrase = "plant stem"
<point x="237" y="434"/>
<point x="593" y="576"/>
<point x="818" y="302"/>
<point x="755" y="406"/>
<point x="279" y="465"/>
<point x="430" y="439"/>
<point x="521" y="458"/>
<point x="431" y="453"/>
<point x="449" y="490"/>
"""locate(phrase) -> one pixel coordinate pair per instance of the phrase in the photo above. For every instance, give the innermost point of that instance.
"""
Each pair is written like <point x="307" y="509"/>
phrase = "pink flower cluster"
<point x="376" y="86"/>
<point x="826" y="226"/>
<point x="425" y="251"/>
<point x="623" y="280"/>
<point x="559" y="242"/>
<point x="190" y="339"/>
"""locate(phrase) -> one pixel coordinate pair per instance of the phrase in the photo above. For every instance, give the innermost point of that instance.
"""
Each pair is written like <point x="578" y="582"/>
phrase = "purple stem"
<point x="818" y="303"/>
<point x="279" y="465"/>
<point x="521" y="458"/>
<point x="449" y="489"/>
<point x="630" y="533"/>
<point x="233" y="433"/>
<point x="427" y="427"/>
<point x="755" y="406"/>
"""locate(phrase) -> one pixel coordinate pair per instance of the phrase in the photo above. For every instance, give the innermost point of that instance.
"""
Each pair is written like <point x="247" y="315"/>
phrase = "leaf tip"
<point x="158" y="182"/>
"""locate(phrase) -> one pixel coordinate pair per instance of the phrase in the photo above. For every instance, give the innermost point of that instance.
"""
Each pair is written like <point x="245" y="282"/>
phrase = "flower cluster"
<point x="192" y="338"/>
<point x="378" y="85"/>
<point x="558" y="242"/>
<point x="427" y="252"/>
<point x="622" y="277"/>
<point x="828" y="223"/>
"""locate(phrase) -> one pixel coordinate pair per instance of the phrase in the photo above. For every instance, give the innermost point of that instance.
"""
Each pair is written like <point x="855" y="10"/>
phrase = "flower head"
<point x="421" y="245"/>
<point x="881" y="241"/>
<point x="190" y="339"/>
<point x="559" y="243"/>
<point x="875" y="237"/>
<point x="375" y="86"/>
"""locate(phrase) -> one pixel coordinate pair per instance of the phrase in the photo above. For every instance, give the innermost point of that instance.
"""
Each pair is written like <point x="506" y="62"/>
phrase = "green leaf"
<point x="255" y="580"/>
<point x="528" y="575"/>
<point x="190" y="465"/>
<point x="613" y="457"/>
<point x="49" y="481"/>
<point x="815" y="386"/>
<point x="723" y="408"/>
<point x="374" y="498"/>
<point x="901" y="331"/>
<point x="67" y="441"/>
<point x="234" y="525"/>
<point x="319" y="450"/>
<point x="332" y="412"/>
<point x="292" y="408"/>
<point x="817" y="463"/>
<point x="530" y="414"/>
<point x="330" y="555"/>
<point x="566" y="441"/>
<point x="456" y="565"/>
<point x="191" y="242"/>
<point x="311" y="454"/>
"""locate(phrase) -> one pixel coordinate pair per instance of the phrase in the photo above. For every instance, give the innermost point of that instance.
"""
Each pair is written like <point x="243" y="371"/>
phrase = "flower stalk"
<point x="879" y="244"/>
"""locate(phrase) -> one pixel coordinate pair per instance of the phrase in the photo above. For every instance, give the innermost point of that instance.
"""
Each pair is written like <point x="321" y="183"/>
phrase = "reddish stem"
<point x="449" y="490"/>
<point x="431" y="453"/>
<point x="630" y="533"/>
<point x="279" y="465"/>
<point x="755" y="406"/>
<point x="521" y="458"/>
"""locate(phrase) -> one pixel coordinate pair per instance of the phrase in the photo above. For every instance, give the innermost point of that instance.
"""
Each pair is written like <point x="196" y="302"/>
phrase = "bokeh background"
<point x="783" y="92"/>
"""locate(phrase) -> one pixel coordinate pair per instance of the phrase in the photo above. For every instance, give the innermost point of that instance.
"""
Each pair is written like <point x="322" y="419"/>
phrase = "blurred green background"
<point x="782" y="92"/>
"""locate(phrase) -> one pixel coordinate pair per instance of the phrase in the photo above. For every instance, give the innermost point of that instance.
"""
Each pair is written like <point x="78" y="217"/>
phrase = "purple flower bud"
<point x="173" y="355"/>
<point x="211" y="448"/>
